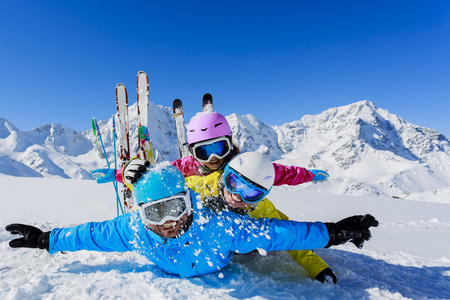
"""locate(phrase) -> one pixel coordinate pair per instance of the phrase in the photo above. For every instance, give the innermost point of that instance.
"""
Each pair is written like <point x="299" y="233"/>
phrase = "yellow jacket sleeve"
<point x="309" y="260"/>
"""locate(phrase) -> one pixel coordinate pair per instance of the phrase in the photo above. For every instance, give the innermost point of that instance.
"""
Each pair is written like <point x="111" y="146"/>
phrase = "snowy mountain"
<point x="357" y="141"/>
<point x="48" y="151"/>
<point x="367" y="150"/>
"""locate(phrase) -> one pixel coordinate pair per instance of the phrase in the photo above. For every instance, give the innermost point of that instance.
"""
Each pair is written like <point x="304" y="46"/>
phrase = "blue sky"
<point x="279" y="60"/>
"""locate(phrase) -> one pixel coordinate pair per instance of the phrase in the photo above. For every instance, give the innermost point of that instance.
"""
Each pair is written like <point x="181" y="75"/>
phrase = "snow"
<point x="407" y="258"/>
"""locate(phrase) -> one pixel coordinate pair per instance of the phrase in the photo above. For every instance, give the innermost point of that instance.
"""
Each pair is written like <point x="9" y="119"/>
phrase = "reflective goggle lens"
<point x="219" y="148"/>
<point x="171" y="209"/>
<point x="249" y="192"/>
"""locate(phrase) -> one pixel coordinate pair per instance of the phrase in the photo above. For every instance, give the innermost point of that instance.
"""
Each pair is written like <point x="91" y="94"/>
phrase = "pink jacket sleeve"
<point x="187" y="165"/>
<point x="291" y="175"/>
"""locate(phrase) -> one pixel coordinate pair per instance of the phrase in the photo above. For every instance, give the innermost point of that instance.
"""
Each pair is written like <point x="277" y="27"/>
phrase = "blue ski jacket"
<point x="206" y="247"/>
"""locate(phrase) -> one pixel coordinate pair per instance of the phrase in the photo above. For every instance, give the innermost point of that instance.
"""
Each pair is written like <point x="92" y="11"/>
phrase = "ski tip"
<point x="142" y="72"/>
<point x="207" y="96"/>
<point x="207" y="102"/>
<point x="120" y="87"/>
<point x="177" y="107"/>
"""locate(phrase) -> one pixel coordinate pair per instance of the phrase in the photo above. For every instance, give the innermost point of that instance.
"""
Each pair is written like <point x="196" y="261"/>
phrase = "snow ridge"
<point x="367" y="150"/>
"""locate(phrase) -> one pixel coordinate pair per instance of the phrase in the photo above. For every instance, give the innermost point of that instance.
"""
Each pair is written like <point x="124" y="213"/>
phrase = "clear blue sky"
<point x="279" y="60"/>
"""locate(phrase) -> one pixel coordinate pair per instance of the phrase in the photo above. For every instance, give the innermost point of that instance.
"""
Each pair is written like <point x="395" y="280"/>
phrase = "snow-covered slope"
<point x="48" y="151"/>
<point x="407" y="257"/>
<point x="367" y="150"/>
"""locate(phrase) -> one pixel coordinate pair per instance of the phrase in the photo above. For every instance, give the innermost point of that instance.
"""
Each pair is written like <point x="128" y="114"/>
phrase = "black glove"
<point x="134" y="170"/>
<point x="354" y="229"/>
<point x="327" y="275"/>
<point x="32" y="237"/>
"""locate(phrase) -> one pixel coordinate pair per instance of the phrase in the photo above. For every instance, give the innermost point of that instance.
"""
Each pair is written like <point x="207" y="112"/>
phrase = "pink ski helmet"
<point x="207" y="125"/>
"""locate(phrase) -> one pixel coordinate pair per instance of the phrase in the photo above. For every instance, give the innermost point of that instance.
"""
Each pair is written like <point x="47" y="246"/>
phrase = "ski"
<point x="207" y="102"/>
<point x="181" y="131"/>
<point x="145" y="150"/>
<point x="122" y="116"/>
<point x="124" y="144"/>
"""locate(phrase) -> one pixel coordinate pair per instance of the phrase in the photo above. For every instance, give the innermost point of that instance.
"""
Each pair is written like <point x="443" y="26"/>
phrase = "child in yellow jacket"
<point x="217" y="195"/>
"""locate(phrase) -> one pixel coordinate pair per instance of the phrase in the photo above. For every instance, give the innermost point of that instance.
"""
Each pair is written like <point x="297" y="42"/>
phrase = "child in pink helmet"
<point x="209" y="141"/>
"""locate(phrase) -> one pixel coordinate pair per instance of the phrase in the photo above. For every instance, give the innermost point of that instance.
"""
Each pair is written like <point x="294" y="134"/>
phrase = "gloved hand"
<point x="134" y="170"/>
<point x="326" y="275"/>
<point x="32" y="237"/>
<point x="354" y="229"/>
<point x="104" y="175"/>
<point x="319" y="176"/>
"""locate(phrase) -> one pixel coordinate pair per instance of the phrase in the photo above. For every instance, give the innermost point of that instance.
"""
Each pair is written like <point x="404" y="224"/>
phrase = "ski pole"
<point x="115" y="163"/>
<point x="97" y="129"/>
<point x="114" y="139"/>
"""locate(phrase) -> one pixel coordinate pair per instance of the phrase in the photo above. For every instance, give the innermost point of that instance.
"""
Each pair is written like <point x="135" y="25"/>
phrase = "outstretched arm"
<point x="273" y="234"/>
<point x="108" y="236"/>
<point x="293" y="175"/>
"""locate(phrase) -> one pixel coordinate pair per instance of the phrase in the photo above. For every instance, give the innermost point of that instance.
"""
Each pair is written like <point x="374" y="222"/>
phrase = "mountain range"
<point x="365" y="149"/>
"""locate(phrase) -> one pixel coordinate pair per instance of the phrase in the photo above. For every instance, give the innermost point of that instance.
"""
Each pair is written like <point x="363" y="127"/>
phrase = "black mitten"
<point x="326" y="275"/>
<point x="354" y="229"/>
<point x="32" y="237"/>
<point x="134" y="170"/>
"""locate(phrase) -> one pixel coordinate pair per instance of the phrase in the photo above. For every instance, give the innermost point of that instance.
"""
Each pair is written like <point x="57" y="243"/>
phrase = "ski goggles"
<point x="170" y="208"/>
<point x="237" y="184"/>
<point x="219" y="147"/>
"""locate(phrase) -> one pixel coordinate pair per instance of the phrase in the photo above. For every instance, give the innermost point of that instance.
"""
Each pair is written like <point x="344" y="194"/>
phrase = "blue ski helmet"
<point x="160" y="181"/>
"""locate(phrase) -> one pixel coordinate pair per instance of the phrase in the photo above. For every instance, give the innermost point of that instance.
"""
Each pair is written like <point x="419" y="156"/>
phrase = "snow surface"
<point x="407" y="258"/>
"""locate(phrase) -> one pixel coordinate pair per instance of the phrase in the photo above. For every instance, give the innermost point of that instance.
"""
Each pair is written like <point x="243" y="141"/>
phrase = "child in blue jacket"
<point x="181" y="236"/>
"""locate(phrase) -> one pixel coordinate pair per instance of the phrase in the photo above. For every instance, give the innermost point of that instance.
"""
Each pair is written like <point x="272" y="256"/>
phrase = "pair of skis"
<point x="178" y="115"/>
<point x="145" y="150"/>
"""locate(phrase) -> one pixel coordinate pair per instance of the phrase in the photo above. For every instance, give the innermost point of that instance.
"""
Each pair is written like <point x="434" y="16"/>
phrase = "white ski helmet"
<point x="255" y="167"/>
